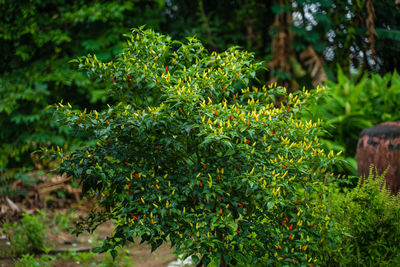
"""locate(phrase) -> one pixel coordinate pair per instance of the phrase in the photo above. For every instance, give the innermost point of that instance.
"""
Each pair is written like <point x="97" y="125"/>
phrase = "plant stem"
<point x="223" y="263"/>
<point x="200" y="262"/>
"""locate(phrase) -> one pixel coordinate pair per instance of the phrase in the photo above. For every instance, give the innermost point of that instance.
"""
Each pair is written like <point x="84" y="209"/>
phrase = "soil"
<point x="43" y="195"/>
<point x="139" y="253"/>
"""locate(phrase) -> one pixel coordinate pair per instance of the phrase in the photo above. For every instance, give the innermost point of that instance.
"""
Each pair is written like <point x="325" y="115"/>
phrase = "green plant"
<point x="227" y="173"/>
<point x="28" y="235"/>
<point x="31" y="261"/>
<point x="37" y="38"/>
<point x="369" y="218"/>
<point x="353" y="104"/>
<point x="60" y="223"/>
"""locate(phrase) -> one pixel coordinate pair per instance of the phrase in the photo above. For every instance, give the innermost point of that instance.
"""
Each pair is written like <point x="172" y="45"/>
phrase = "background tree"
<point x="301" y="41"/>
<point x="37" y="39"/>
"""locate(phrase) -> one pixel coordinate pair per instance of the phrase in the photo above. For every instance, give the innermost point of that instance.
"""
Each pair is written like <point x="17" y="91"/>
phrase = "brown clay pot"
<point x="380" y="145"/>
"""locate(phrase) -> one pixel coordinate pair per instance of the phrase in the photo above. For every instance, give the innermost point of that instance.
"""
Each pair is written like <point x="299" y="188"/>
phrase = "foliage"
<point x="83" y="258"/>
<point x="312" y="37"/>
<point x="302" y="40"/>
<point x="37" y="39"/>
<point x="93" y="259"/>
<point x="353" y="104"/>
<point x="371" y="218"/>
<point x="29" y="236"/>
<point x="30" y="260"/>
<point x="224" y="171"/>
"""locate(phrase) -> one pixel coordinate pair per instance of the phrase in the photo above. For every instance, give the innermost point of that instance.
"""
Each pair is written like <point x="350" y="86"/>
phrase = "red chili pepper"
<point x="159" y="147"/>
<point x="285" y="132"/>
<point x="129" y="185"/>
<point x="219" y="199"/>
<point x="134" y="217"/>
<point x="216" y="113"/>
<point x="237" y="231"/>
<point x="129" y="76"/>
<point x="284" y="166"/>
<point x="204" y="166"/>
<point x="224" y="88"/>
<point x="293" y="261"/>
<point x="200" y="184"/>
<point x="283" y="224"/>
<point x="297" y="203"/>
<point x="219" y="177"/>
<point x="290" y="236"/>
<point x="79" y="120"/>
<point x="286" y="218"/>
<point x="282" y="256"/>
<point x="255" y="247"/>
<point x="231" y="118"/>
<point x="240" y="204"/>
<point x="287" y="109"/>
<point x="137" y="175"/>
<point x="166" y="68"/>
<point x="248" y="123"/>
<point x="108" y="142"/>
<point x="248" y="142"/>
<point x="291" y="227"/>
<point x="113" y="80"/>
<point x="220" y="211"/>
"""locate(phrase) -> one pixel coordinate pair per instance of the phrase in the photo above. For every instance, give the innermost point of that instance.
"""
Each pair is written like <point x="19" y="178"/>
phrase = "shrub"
<point x="227" y="173"/>
<point x="37" y="38"/>
<point x="28" y="236"/>
<point x="370" y="219"/>
<point x="31" y="261"/>
<point x="353" y="104"/>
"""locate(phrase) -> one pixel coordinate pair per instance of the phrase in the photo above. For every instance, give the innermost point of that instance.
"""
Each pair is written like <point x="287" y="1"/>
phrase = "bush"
<point x="353" y="104"/>
<point x="227" y="173"/>
<point x="370" y="219"/>
<point x="29" y="236"/>
<point x="31" y="261"/>
<point x="37" y="39"/>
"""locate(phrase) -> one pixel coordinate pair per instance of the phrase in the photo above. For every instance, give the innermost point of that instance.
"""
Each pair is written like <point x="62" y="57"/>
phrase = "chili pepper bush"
<point x="193" y="156"/>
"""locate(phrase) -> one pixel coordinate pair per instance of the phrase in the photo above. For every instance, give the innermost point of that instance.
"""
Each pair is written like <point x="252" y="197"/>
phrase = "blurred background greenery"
<point x="351" y="46"/>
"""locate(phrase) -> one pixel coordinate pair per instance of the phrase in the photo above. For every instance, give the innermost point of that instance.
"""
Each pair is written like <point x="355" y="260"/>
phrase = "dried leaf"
<point x="12" y="205"/>
<point x="314" y="65"/>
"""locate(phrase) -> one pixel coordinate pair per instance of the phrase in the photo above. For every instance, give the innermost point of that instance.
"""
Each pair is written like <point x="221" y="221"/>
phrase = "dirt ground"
<point x="43" y="195"/>
<point x="139" y="253"/>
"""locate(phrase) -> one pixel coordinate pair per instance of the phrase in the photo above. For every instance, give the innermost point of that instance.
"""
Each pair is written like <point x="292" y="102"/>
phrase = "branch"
<point x="200" y="262"/>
